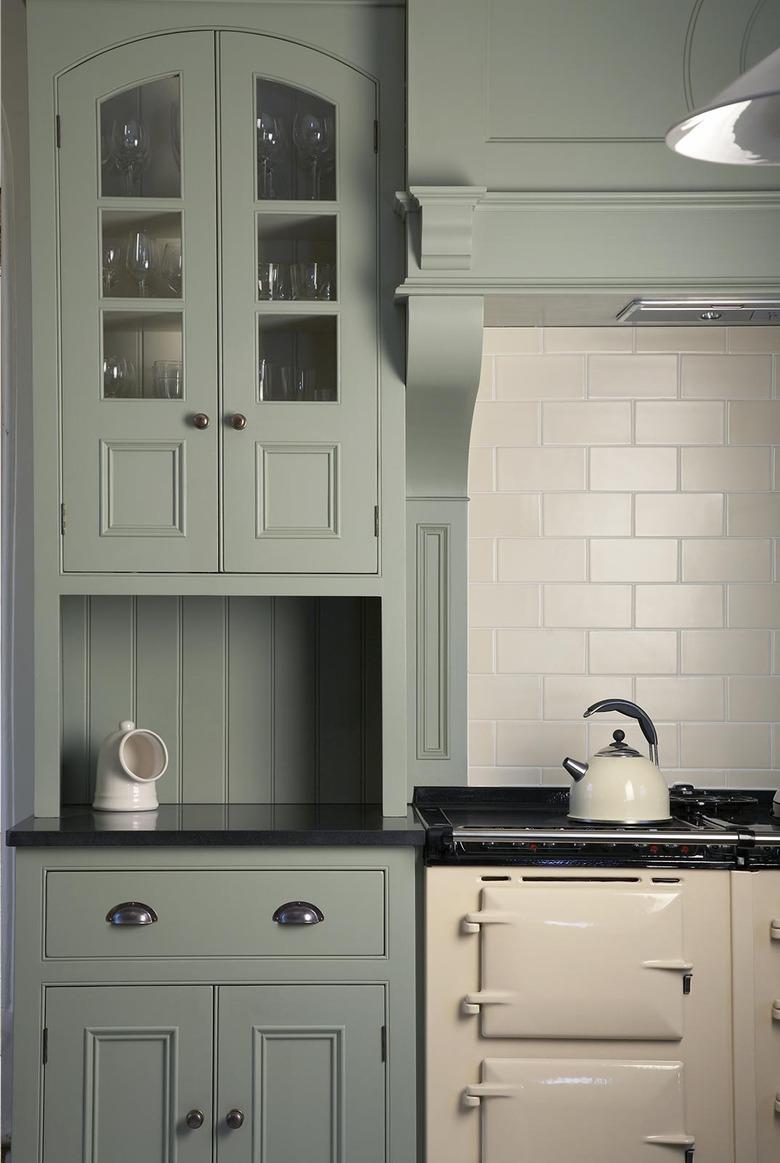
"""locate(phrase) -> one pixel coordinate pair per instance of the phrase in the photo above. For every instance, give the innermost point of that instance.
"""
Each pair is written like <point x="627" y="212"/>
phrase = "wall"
<point x="625" y="541"/>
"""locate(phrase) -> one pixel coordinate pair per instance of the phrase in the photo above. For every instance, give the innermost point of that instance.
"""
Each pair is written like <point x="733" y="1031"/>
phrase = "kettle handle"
<point x="633" y="712"/>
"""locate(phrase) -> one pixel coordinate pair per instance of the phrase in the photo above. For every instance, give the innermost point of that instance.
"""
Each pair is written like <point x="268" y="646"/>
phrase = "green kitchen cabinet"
<point x="219" y="308"/>
<point x="299" y="1073"/>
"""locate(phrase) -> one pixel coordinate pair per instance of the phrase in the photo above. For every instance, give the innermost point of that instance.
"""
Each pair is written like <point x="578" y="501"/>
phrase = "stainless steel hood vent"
<point x="706" y="312"/>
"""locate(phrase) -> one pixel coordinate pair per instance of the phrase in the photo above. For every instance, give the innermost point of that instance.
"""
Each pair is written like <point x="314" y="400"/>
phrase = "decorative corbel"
<point x="447" y="225"/>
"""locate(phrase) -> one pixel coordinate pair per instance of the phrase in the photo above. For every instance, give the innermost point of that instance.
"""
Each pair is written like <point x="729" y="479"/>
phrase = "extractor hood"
<point x="712" y="312"/>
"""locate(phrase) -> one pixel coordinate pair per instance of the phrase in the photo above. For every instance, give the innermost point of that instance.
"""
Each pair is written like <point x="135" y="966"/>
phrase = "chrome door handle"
<point x="131" y="913"/>
<point x="298" y="913"/>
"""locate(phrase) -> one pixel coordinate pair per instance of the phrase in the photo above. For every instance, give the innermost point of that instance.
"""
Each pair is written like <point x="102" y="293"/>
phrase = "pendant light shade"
<point x="741" y="126"/>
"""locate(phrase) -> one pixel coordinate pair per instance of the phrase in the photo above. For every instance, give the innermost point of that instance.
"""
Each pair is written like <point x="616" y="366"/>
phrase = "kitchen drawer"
<point x="215" y="913"/>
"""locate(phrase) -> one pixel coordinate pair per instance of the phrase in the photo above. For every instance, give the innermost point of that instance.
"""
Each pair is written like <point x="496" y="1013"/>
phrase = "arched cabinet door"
<point x="299" y="315"/>
<point x="138" y="280"/>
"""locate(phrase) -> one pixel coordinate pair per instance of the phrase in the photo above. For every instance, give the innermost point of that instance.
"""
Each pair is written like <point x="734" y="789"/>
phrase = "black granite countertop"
<point x="215" y="825"/>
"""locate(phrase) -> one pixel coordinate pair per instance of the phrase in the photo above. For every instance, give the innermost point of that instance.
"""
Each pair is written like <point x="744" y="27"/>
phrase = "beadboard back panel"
<point x="259" y="700"/>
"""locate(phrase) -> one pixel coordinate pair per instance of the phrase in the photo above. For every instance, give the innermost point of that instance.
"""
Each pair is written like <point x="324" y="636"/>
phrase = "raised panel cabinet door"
<point x="301" y="1075"/>
<point x="299" y="319"/>
<point x="125" y="1067"/>
<point x="137" y="189"/>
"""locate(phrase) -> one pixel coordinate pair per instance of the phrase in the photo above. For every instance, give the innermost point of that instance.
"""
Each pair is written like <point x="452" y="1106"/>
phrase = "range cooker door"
<point x="580" y="960"/>
<point x="588" y="1110"/>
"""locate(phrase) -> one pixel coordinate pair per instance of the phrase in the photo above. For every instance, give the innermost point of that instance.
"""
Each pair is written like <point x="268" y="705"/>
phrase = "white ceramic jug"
<point x="130" y="762"/>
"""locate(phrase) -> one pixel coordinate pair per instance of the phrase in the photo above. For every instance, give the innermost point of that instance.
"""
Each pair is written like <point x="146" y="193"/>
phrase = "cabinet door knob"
<point x="131" y="913"/>
<point x="234" y="1119"/>
<point x="238" y="421"/>
<point x="201" y="420"/>
<point x="194" y="1119"/>
<point x="298" y="913"/>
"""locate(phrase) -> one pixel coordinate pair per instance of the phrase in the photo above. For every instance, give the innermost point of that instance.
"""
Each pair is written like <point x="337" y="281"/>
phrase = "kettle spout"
<point x="575" y="769"/>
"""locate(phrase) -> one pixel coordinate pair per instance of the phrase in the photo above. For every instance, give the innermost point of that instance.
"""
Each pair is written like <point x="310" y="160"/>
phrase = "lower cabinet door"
<point x="301" y="1075"/>
<point x="126" y="1064"/>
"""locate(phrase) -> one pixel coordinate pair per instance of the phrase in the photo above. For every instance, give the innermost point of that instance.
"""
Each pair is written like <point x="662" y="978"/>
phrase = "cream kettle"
<point x="130" y="761"/>
<point x="618" y="784"/>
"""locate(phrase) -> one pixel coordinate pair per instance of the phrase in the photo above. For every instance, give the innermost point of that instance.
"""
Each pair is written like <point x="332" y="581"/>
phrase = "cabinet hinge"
<point x="376" y="137"/>
<point x="383" y="1038"/>
<point x="45" y="1045"/>
<point x="376" y="520"/>
<point x="58" y="130"/>
<point x="687" y="981"/>
<point x="62" y="518"/>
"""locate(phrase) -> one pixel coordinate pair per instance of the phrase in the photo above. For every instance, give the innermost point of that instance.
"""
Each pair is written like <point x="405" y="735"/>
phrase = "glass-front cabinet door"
<point x="299" y="313"/>
<point x="138" y="310"/>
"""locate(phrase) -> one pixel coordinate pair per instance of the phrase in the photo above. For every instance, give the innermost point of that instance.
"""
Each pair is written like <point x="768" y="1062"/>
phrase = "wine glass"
<point x="171" y="266"/>
<point x="112" y="263"/>
<point x="176" y="133"/>
<point x="130" y="149"/>
<point x="270" y="143"/>
<point x="140" y="259"/>
<point x="118" y="377"/>
<point x="313" y="137"/>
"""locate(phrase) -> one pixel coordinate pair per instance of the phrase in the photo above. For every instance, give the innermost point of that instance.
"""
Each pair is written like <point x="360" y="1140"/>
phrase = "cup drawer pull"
<point x="131" y="913"/>
<point x="298" y="913"/>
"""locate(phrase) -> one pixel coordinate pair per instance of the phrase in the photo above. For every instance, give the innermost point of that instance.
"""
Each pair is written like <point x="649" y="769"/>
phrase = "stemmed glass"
<point x="171" y="266"/>
<point x="176" y="133"/>
<point x="270" y="143"/>
<point x="130" y="149"/>
<point x="313" y="137"/>
<point x="112" y="261"/>
<point x="118" y="377"/>
<point x="140" y="259"/>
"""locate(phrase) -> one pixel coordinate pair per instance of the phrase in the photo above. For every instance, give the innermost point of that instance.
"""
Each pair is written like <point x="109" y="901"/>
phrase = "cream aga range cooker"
<point x="579" y="977"/>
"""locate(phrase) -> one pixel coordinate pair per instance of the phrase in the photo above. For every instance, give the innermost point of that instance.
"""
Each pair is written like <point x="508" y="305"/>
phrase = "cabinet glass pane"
<point x="140" y="141"/>
<point x="297" y="359"/>
<point x="296" y="143"/>
<point x="142" y="356"/>
<point x="296" y="257"/>
<point x="141" y="254"/>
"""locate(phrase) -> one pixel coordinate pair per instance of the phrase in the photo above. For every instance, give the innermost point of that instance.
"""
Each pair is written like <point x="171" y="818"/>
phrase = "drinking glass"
<point x="171" y="265"/>
<point x="130" y="150"/>
<point x="270" y="144"/>
<point x="275" y="380"/>
<point x="167" y="379"/>
<point x="312" y="280"/>
<point x="313" y="137"/>
<point x="273" y="281"/>
<point x="118" y="378"/>
<point x="304" y="383"/>
<point x="112" y="264"/>
<point x="140" y="259"/>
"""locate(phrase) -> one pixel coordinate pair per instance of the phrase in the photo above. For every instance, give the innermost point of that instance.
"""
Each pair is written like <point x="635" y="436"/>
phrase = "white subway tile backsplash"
<point x="726" y="377"/>
<point x="753" y="514"/>
<point x="538" y="744"/>
<point x="540" y="377"/>
<point x="498" y="422"/>
<point x="540" y="651"/>
<point x="679" y="422"/>
<point x="542" y="559"/>
<point x="625" y="543"/>
<point x="633" y="651"/>
<point x="754" y="422"/>
<point x="725" y="745"/>
<point x="587" y="339"/>
<point x="565" y="697"/>
<point x="724" y="652"/>
<point x="504" y="515"/>
<point x="591" y="422"/>
<point x="634" y="560"/>
<point x="679" y="606"/>
<point x="691" y="515"/>
<point x="586" y="514"/>
<point x="754" y="605"/>
<point x="724" y="560"/>
<point x="540" y="469"/>
<point x="728" y="469"/>
<point x="632" y="376"/>
<point x="587" y="605"/>
<point x="498" y="696"/>
<point x="635" y="469"/>
<point x="503" y="604"/>
<point x="682" y="698"/>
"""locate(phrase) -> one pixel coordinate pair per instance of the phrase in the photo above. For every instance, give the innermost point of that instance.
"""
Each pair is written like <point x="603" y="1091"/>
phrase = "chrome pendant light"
<point x="741" y="126"/>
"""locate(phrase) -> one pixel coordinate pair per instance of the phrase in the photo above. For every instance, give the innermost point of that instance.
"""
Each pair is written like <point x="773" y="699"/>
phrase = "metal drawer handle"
<point x="298" y="913"/>
<point x="131" y="913"/>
